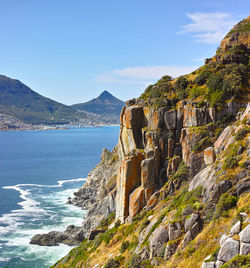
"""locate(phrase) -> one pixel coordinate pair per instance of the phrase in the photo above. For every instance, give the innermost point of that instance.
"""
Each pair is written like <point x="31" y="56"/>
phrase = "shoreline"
<point x="45" y="128"/>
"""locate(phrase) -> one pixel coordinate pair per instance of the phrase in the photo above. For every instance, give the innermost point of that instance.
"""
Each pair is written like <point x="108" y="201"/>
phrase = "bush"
<point x="202" y="78"/>
<point x="112" y="264"/>
<point x="226" y="202"/>
<point x="202" y="144"/>
<point x="180" y="86"/>
<point x="241" y="134"/>
<point x="134" y="262"/>
<point x="182" y="171"/>
<point x="124" y="246"/>
<point x="215" y="82"/>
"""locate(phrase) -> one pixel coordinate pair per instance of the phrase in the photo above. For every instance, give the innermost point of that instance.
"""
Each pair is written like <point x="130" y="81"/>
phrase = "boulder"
<point x="235" y="229"/>
<point x="223" y="239"/>
<point x="218" y="264"/>
<point x="208" y="265"/>
<point x="136" y="201"/>
<point x="175" y="230"/>
<point x="209" y="156"/>
<point x="170" y="250"/>
<point x="191" y="221"/>
<point x="158" y="240"/>
<point x="224" y="140"/>
<point x="243" y="186"/>
<point x="228" y="250"/>
<point x="205" y="178"/>
<point x="196" y="163"/>
<point x="245" y="234"/>
<point x="93" y="233"/>
<point x="244" y="248"/>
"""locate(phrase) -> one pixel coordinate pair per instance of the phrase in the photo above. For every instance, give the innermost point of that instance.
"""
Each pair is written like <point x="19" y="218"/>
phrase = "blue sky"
<point x="71" y="51"/>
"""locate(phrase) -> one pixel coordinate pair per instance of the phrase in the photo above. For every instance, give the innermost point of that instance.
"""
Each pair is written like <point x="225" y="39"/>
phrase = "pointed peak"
<point x="105" y="94"/>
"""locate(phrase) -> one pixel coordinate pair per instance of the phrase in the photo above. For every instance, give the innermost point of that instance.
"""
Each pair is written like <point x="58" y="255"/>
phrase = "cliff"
<point x="179" y="174"/>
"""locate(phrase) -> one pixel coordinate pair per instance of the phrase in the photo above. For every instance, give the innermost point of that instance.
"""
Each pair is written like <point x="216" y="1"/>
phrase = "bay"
<point x="38" y="171"/>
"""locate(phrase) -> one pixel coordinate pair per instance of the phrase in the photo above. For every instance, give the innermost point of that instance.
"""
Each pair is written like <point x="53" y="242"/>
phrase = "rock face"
<point x="71" y="236"/>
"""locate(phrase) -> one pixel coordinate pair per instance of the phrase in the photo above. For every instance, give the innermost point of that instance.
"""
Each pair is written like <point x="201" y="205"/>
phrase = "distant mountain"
<point x="18" y="100"/>
<point x="106" y="105"/>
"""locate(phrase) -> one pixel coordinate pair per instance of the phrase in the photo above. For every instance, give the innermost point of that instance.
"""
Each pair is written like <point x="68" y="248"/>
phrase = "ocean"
<point x="39" y="170"/>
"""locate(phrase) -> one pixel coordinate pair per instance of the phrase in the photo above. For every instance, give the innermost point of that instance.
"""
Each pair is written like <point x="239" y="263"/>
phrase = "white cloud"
<point x="142" y="75"/>
<point x="208" y="27"/>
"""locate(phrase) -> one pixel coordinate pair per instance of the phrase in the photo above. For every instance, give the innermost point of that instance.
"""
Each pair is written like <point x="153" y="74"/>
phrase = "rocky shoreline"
<point x="96" y="196"/>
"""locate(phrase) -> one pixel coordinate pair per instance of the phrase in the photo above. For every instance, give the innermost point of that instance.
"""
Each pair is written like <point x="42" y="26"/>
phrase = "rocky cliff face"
<point x="181" y="175"/>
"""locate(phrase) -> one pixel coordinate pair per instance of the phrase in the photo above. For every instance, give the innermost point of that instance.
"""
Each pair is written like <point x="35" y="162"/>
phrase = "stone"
<point x="243" y="186"/>
<point x="223" y="239"/>
<point x="174" y="231"/>
<point x="246" y="115"/>
<point x="128" y="178"/>
<point x="209" y="156"/>
<point x="158" y="240"/>
<point x="190" y="221"/>
<point x="187" y="238"/>
<point x="196" y="163"/>
<point x="136" y="201"/>
<point x="224" y="140"/>
<point x="195" y="230"/>
<point x="205" y="178"/>
<point x="208" y="265"/>
<point x="228" y="250"/>
<point x="93" y="233"/>
<point x="244" y="248"/>
<point x="148" y="173"/>
<point x="170" y="119"/>
<point x="218" y="264"/>
<point x="194" y="117"/>
<point x="245" y="234"/>
<point x="235" y="229"/>
<point x="170" y="250"/>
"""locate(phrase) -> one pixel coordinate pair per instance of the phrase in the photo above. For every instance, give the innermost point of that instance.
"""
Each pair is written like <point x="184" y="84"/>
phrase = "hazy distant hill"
<point x="18" y="100"/>
<point x="106" y="104"/>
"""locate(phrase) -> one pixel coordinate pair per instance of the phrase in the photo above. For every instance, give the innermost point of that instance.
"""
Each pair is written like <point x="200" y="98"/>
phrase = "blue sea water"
<point x="39" y="170"/>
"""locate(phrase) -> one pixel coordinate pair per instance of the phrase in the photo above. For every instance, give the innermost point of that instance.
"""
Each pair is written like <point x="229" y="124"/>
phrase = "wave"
<point x="59" y="184"/>
<point x="32" y="208"/>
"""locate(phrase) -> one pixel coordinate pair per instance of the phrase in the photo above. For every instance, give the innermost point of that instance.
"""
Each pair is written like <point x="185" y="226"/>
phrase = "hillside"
<point x="18" y="100"/>
<point x="106" y="105"/>
<point x="175" y="191"/>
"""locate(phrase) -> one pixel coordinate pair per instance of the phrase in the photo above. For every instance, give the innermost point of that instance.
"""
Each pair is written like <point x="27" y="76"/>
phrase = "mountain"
<point x="175" y="191"/>
<point x="105" y="104"/>
<point x="18" y="100"/>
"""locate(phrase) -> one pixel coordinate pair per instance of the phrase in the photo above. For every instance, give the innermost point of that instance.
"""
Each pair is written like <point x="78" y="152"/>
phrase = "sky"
<point x="71" y="51"/>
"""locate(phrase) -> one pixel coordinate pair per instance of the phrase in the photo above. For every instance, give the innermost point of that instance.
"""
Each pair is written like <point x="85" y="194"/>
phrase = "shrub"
<point x="124" y="246"/>
<point x="202" y="144"/>
<point x="202" y="78"/>
<point x="112" y="264"/>
<point x="106" y="222"/>
<point x="134" y="262"/>
<point x="108" y="235"/>
<point x="226" y="202"/>
<point x="215" y="82"/>
<point x="182" y="171"/>
<point x="180" y="86"/>
<point x="241" y="134"/>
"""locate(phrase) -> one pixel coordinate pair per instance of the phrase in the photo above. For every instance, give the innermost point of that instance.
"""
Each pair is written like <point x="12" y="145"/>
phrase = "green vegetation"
<point x="124" y="246"/>
<point x="242" y="261"/>
<point x="241" y="134"/>
<point x="226" y="202"/>
<point x="182" y="171"/>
